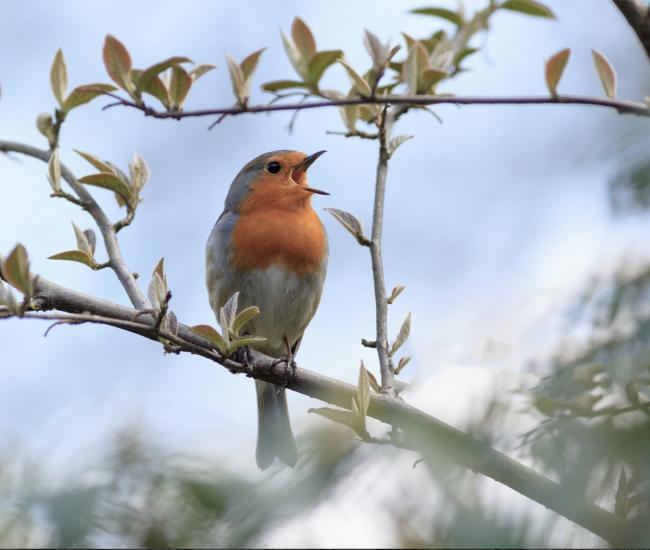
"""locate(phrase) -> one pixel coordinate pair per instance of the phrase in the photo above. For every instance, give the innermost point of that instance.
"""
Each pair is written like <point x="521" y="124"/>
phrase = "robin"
<point x="270" y="245"/>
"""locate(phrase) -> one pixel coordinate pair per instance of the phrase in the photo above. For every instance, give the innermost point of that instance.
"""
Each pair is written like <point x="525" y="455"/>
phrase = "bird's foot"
<point x="242" y="355"/>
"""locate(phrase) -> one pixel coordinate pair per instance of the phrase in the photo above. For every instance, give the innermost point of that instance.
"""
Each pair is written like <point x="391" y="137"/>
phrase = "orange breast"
<point x="293" y="238"/>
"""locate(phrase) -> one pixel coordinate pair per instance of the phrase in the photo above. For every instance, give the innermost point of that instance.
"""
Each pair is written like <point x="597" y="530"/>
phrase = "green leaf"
<point x="249" y="64"/>
<point x="82" y="241"/>
<point x="74" y="256"/>
<point x="109" y="181"/>
<point x="430" y="77"/>
<point x="101" y="165"/>
<point x="118" y="63"/>
<point x="228" y="312"/>
<point x="245" y="341"/>
<point x="320" y="62"/>
<point x="138" y="172"/>
<point x="15" y="270"/>
<point x="347" y="220"/>
<point x="45" y="126"/>
<point x="555" y="68"/>
<point x="346" y="418"/>
<point x="416" y="61"/>
<point x="403" y="334"/>
<point x="295" y="58"/>
<point x="156" y="88"/>
<point x="363" y="392"/>
<point x="529" y="7"/>
<point x="460" y="57"/>
<point x="59" y="77"/>
<point x="243" y="318"/>
<point x="179" y="86"/>
<point x="401" y="364"/>
<point x="147" y="75"/>
<point x="237" y="81"/>
<point x="377" y="51"/>
<point x="606" y="73"/>
<point x="359" y="82"/>
<point x="210" y="334"/>
<point x="54" y="171"/>
<point x="443" y="13"/>
<point x="395" y="293"/>
<point x="198" y="71"/>
<point x="84" y="94"/>
<point x="277" y="85"/>
<point x="303" y="39"/>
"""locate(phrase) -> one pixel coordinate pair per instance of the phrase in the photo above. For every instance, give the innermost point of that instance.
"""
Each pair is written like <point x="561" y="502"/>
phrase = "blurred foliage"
<point x="629" y="189"/>
<point x="594" y="432"/>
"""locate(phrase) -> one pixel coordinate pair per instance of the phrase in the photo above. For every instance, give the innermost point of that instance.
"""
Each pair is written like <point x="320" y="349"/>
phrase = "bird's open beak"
<point x="302" y="167"/>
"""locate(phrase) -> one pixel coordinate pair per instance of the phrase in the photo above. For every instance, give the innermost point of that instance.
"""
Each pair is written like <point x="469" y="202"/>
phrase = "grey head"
<point x="240" y="186"/>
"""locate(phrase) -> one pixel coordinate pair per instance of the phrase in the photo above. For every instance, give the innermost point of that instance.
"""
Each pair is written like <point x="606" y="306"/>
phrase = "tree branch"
<point x="105" y="226"/>
<point x="622" y="106"/>
<point x="381" y="301"/>
<point x="638" y="16"/>
<point x="425" y="433"/>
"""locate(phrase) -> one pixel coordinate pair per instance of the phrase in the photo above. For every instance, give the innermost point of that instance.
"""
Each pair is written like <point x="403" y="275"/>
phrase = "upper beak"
<point x="302" y="167"/>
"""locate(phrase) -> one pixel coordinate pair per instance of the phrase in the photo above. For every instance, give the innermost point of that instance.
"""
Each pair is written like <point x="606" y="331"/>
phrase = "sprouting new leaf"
<point x="416" y="61"/>
<point x="372" y="381"/>
<point x="84" y="94"/>
<point x="158" y="289"/>
<point x="529" y="7"/>
<point x="15" y="270"/>
<point x="320" y="62"/>
<point x="359" y="82"/>
<point x="118" y="63"/>
<point x="277" y="85"/>
<point x="402" y="363"/>
<point x="606" y="73"/>
<point x="8" y="299"/>
<point x="347" y="220"/>
<point x="303" y="39"/>
<point x="179" y="86"/>
<point x="147" y="75"/>
<point x="555" y="68"/>
<point x="73" y="256"/>
<point x="210" y="334"/>
<point x="109" y="181"/>
<point x="237" y="80"/>
<point x="45" y="126"/>
<point x="363" y="391"/>
<point x="82" y="241"/>
<point x="443" y="13"/>
<point x="296" y="59"/>
<point x="198" y="71"/>
<point x="243" y="318"/>
<point x="54" y="171"/>
<point x="395" y="293"/>
<point x="59" y="77"/>
<point x="245" y="341"/>
<point x="229" y="311"/>
<point x="92" y="239"/>
<point x="138" y="172"/>
<point x="101" y="165"/>
<point x="249" y="64"/>
<point x="403" y="334"/>
<point x="394" y="143"/>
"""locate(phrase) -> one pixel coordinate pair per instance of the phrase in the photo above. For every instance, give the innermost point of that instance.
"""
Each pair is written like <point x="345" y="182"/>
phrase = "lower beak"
<point x="302" y="167"/>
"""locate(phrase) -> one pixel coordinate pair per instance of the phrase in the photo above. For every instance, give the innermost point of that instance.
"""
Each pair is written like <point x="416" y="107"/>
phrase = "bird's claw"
<point x="242" y="355"/>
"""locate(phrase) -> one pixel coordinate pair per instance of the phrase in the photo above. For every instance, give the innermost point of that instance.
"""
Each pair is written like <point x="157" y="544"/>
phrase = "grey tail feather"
<point x="274" y="435"/>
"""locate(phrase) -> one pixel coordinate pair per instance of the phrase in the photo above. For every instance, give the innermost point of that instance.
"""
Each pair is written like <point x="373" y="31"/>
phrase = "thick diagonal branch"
<point x="429" y="435"/>
<point x="106" y="228"/>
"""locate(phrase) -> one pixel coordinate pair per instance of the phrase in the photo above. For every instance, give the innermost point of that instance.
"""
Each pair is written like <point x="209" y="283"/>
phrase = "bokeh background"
<point x="497" y="221"/>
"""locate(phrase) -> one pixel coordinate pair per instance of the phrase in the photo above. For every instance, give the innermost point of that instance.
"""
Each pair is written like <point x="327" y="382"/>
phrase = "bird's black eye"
<point x="273" y="167"/>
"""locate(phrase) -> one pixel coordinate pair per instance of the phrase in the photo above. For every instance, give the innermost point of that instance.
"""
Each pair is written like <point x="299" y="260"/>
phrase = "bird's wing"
<point x="220" y="278"/>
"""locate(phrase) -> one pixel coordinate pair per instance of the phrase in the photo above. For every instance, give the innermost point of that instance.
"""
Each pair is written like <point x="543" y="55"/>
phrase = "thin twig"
<point x="622" y="106"/>
<point x="381" y="300"/>
<point x="103" y="223"/>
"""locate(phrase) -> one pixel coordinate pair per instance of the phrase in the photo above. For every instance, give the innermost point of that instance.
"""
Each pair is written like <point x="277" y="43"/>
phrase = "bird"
<point x="269" y="245"/>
